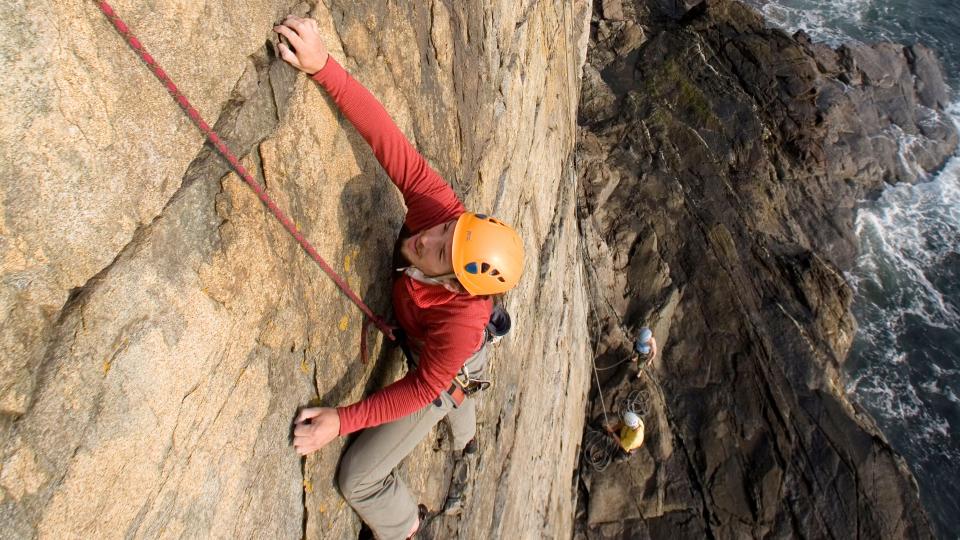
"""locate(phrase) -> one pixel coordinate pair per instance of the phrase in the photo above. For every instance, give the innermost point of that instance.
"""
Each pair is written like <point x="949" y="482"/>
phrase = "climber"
<point x="455" y="261"/>
<point x="628" y="434"/>
<point x="645" y="349"/>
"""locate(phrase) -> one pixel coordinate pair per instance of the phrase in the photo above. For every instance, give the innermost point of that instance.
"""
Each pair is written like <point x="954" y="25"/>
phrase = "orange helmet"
<point x="487" y="254"/>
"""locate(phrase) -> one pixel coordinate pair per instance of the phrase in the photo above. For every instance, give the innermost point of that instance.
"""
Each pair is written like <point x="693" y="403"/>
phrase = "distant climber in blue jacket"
<point x="645" y="348"/>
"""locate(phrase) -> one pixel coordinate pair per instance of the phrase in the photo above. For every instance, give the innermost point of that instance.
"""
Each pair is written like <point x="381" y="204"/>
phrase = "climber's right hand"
<point x="308" y="54"/>
<point x="314" y="428"/>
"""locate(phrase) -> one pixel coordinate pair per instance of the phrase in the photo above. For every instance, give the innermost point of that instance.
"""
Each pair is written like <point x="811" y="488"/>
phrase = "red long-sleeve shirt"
<point x="445" y="328"/>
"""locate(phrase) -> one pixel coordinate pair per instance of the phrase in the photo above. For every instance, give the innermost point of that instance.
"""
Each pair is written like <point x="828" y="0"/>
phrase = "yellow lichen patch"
<point x="304" y="367"/>
<point x="307" y="485"/>
<point x="346" y="263"/>
<point x="106" y="367"/>
<point x="344" y="323"/>
<point x="323" y="509"/>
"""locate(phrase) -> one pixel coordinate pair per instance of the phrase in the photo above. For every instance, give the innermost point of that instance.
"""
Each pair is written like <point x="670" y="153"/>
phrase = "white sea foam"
<point x="937" y="429"/>
<point x="940" y="372"/>
<point x="905" y="367"/>
<point x="883" y="389"/>
<point x="823" y="20"/>
<point x="904" y="236"/>
<point x="893" y="395"/>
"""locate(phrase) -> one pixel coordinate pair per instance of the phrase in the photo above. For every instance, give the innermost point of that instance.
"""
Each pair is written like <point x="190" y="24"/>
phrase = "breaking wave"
<point x="904" y="366"/>
<point x="905" y="363"/>
<point x="828" y="21"/>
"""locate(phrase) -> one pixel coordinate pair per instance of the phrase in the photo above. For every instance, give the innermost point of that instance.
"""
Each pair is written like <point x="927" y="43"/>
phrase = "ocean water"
<point x="905" y="363"/>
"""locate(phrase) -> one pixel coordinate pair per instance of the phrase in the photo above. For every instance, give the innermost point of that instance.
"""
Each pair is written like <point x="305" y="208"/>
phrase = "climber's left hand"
<point x="309" y="54"/>
<point x="315" y="428"/>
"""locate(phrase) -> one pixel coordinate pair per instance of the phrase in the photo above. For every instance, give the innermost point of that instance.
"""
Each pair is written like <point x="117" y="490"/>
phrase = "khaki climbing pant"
<point x="367" y="476"/>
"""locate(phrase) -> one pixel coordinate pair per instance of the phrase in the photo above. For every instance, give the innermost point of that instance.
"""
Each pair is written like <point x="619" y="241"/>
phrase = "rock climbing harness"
<point x="217" y="143"/>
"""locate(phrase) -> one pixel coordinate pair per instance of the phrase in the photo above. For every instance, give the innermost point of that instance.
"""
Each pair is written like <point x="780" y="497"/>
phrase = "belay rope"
<point x="222" y="149"/>
<point x="598" y="446"/>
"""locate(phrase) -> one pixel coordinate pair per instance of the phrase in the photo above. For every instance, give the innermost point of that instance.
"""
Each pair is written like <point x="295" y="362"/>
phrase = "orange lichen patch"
<point x="119" y="348"/>
<point x="351" y="258"/>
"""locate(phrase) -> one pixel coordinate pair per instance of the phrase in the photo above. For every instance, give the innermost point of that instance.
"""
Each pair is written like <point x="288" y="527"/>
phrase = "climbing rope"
<point x="596" y="374"/>
<point x="637" y="402"/>
<point x="593" y="357"/>
<point x="620" y="363"/>
<point x="217" y="143"/>
<point x="598" y="449"/>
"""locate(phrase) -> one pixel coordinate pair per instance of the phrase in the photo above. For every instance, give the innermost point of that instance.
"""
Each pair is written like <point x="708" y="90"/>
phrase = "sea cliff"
<point x="721" y="161"/>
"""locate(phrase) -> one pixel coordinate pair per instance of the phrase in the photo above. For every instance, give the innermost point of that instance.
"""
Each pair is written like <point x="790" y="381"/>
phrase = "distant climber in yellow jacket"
<point x="628" y="433"/>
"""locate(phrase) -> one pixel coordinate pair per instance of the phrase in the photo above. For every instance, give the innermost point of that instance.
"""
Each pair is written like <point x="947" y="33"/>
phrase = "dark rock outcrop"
<point x="720" y="164"/>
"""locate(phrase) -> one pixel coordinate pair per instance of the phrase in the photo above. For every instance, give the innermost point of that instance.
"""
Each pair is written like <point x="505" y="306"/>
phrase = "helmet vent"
<point x="471" y="268"/>
<point x="484" y="267"/>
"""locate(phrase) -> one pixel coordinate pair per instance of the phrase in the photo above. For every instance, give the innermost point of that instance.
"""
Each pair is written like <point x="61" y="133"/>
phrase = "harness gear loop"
<point x="225" y="152"/>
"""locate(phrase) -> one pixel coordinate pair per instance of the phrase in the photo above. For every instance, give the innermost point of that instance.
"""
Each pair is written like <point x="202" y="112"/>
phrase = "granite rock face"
<point x="160" y="329"/>
<point x="719" y="173"/>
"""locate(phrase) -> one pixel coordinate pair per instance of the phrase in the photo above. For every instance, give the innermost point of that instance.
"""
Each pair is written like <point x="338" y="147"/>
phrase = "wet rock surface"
<point x="160" y="329"/>
<point x="717" y="193"/>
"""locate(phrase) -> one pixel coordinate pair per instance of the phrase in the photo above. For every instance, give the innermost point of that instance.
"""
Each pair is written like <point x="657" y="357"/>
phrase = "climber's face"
<point x="431" y="249"/>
